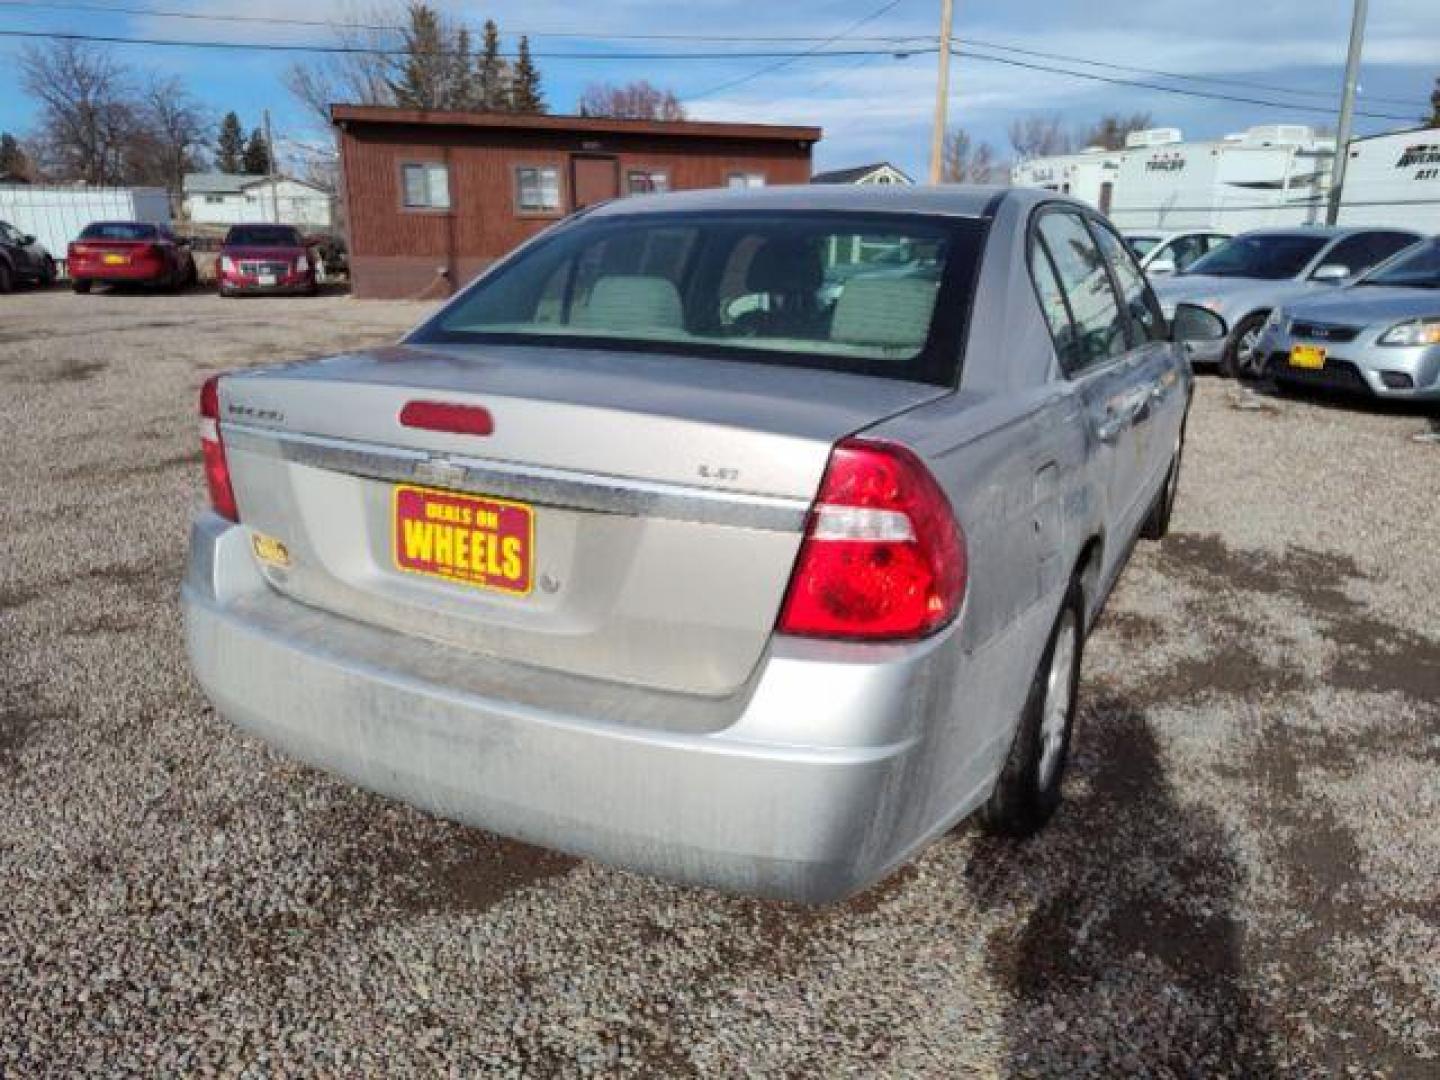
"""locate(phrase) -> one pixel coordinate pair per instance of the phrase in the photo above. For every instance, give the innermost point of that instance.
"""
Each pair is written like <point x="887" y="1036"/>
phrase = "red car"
<point x="265" y="259"/>
<point x="131" y="253"/>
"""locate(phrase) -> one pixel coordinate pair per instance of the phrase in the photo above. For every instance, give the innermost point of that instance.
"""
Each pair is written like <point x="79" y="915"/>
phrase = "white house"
<point x="881" y="172"/>
<point x="235" y="198"/>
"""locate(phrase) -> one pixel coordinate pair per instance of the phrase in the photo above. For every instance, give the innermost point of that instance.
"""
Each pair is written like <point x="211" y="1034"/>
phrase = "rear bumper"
<point x="744" y="808"/>
<point x="141" y="273"/>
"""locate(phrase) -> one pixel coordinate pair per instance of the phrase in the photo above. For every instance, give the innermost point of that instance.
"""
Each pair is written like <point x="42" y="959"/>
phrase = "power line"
<point x="817" y="50"/>
<point x="1179" y="90"/>
<point x="783" y="58"/>
<point x="583" y="35"/>
<point x="367" y="50"/>
<point x="1217" y="80"/>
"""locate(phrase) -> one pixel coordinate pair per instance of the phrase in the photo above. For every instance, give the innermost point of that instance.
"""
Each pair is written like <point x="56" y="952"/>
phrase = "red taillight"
<point x="448" y="417"/>
<point x="217" y="469"/>
<point x="883" y="558"/>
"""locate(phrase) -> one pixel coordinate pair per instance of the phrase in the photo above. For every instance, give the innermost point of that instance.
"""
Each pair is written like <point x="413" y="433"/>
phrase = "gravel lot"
<point x="1243" y="881"/>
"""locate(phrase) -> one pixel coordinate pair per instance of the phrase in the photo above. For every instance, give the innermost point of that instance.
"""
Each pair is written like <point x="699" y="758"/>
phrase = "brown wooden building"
<point x="432" y="198"/>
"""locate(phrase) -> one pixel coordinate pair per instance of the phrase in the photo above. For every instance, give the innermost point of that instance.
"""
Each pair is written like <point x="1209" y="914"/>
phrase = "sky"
<point x="871" y="107"/>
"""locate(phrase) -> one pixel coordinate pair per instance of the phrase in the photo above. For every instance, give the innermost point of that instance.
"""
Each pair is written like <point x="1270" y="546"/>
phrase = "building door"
<point x="593" y="179"/>
<point x="1107" y="192"/>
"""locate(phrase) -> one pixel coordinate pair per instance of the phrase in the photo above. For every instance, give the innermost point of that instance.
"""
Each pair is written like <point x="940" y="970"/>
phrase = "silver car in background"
<point x="1164" y="253"/>
<point x="652" y="546"/>
<point x="1246" y="279"/>
<point x="1380" y="336"/>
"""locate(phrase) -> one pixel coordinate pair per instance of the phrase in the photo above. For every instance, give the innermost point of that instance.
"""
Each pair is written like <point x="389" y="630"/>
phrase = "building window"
<point x="745" y="179"/>
<point x="537" y="189"/>
<point x="214" y="200"/>
<point x="643" y="181"/>
<point x="427" y="185"/>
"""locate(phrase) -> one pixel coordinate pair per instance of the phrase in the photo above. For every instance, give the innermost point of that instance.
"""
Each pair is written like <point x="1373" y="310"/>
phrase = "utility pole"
<point x="942" y="93"/>
<point x="1347" y="111"/>
<point x="270" y="169"/>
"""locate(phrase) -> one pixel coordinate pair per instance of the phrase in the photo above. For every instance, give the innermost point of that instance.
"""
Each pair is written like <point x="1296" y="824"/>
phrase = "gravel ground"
<point x="1242" y="882"/>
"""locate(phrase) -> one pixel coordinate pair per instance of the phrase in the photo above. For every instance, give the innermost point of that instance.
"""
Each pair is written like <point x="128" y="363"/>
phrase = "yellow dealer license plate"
<point x="116" y="260"/>
<point x="1307" y="356"/>
<point x="469" y="539"/>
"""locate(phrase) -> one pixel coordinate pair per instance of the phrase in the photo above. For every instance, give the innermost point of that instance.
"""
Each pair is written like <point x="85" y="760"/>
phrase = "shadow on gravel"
<point x="1131" y="961"/>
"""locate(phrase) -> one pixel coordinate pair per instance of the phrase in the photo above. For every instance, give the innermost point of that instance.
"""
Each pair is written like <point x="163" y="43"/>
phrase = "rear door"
<point x="1153" y="368"/>
<point x="1092" y="338"/>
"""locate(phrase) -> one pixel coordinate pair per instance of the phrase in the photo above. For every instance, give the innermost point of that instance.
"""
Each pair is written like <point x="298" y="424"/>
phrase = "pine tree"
<point x="526" y="95"/>
<point x="461" y="85"/>
<point x="230" y="146"/>
<point x="13" y="160"/>
<point x="256" y="156"/>
<point x="491" y="73"/>
<point x="423" y="76"/>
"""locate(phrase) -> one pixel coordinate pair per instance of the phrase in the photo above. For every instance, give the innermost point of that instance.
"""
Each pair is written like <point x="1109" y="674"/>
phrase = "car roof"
<point x="951" y="200"/>
<point x="1326" y="232"/>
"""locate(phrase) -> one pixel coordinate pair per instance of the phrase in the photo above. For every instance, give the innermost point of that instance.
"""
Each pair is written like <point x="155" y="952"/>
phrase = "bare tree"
<point x="968" y="162"/>
<point x="1039" y="136"/>
<point x="1110" y="130"/>
<point x="636" y="100"/>
<point x="87" y="115"/>
<point x="169" y="135"/>
<point x="356" y="78"/>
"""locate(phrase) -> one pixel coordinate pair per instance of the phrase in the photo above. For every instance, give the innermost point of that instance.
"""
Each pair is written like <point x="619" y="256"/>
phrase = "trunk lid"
<point x="666" y="496"/>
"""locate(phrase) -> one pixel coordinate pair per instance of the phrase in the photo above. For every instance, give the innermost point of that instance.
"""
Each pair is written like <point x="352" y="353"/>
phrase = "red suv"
<point x="265" y="259"/>
<point x="129" y="252"/>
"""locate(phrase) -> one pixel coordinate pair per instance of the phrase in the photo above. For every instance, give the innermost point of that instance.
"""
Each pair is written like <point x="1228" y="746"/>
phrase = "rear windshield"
<point x="881" y="294"/>
<point x="263" y="235"/>
<point x="120" y="230"/>
<point x="1418" y="268"/>
<point x="1268" y="257"/>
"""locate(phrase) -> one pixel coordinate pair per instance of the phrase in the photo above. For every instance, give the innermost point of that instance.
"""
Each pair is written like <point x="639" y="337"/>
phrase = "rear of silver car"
<point x="536" y="589"/>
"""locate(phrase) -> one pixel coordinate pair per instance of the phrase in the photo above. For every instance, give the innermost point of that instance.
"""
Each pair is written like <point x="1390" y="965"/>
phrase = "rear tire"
<point x="7" y="278"/>
<point x="80" y="285"/>
<point x="1242" y="358"/>
<point x="1028" y="791"/>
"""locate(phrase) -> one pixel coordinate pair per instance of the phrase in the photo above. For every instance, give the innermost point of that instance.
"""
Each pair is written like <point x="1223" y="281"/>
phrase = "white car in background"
<point x="1162" y="253"/>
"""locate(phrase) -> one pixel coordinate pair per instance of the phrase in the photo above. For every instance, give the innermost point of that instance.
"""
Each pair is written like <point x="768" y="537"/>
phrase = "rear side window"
<point x="1100" y="327"/>
<point x="882" y="294"/>
<point x="1145" y="319"/>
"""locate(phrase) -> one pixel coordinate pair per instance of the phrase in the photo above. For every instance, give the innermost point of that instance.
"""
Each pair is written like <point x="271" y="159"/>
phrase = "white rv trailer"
<point x="1276" y="174"/>
<point x="1394" y="180"/>
<point x="55" y="214"/>
<point x="1088" y="175"/>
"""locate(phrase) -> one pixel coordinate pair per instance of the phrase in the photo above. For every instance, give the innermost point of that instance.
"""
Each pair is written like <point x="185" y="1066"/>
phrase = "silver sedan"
<point x="654" y="545"/>
<point x="1380" y="336"/>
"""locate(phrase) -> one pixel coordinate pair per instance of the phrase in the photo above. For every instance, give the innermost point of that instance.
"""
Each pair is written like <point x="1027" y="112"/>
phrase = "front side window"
<point x="645" y="181"/>
<point x="1140" y="303"/>
<point x="537" y="189"/>
<point x="1268" y="256"/>
<point x="765" y="287"/>
<point x="1361" y="252"/>
<point x="1418" y="269"/>
<point x="1100" y="325"/>
<point x="427" y="185"/>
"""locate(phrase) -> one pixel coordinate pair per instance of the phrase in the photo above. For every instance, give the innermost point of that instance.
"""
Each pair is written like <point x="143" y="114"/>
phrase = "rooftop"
<point x="701" y="129"/>
<point x="951" y="200"/>
<point x="855" y="172"/>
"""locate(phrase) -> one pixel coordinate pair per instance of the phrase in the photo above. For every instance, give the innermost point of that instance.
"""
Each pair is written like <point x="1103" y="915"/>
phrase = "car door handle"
<point x="1109" y="429"/>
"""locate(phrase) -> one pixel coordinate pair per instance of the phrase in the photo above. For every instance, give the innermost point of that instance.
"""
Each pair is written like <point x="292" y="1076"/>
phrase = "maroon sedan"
<point x="265" y="259"/>
<point x="129" y="253"/>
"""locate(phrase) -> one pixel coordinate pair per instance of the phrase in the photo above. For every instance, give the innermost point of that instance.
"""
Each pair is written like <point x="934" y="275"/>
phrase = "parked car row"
<point x="258" y="258"/>
<point x="1343" y="308"/>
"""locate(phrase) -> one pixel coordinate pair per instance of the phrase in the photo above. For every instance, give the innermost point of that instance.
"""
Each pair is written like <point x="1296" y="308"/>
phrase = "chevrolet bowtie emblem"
<point x="439" y="470"/>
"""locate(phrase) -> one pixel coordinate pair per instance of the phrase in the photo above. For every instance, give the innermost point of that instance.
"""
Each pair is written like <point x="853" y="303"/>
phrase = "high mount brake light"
<point x="217" y="469"/>
<point x="883" y="558"/>
<point x="447" y="416"/>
